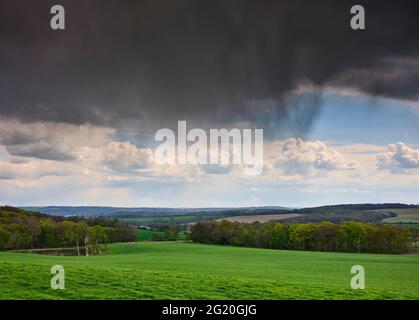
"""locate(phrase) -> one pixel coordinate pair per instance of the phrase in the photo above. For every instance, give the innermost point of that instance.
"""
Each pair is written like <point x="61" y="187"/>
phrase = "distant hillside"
<point x="144" y="211"/>
<point x="344" y="208"/>
<point x="159" y="218"/>
<point x="147" y="211"/>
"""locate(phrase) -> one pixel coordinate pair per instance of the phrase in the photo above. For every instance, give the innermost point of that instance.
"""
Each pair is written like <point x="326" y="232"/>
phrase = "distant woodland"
<point x="326" y="236"/>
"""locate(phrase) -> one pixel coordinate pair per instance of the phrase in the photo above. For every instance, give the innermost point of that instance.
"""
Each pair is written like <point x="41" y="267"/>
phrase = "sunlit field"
<point x="180" y="270"/>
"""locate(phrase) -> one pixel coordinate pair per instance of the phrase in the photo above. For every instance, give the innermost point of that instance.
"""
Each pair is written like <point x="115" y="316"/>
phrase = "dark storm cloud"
<point x="214" y="61"/>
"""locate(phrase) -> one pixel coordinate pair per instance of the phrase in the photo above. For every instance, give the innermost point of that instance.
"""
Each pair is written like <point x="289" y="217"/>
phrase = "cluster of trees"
<point x="171" y="232"/>
<point x="166" y="233"/>
<point x="356" y="207"/>
<point x="346" y="237"/>
<point x="20" y="229"/>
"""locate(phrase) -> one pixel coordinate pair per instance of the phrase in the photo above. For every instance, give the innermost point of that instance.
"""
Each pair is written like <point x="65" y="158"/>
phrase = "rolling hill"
<point x="179" y="270"/>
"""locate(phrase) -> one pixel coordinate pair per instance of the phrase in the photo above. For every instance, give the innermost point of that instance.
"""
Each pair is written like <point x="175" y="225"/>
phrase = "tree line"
<point x="20" y="229"/>
<point x="326" y="236"/>
<point x="355" y="207"/>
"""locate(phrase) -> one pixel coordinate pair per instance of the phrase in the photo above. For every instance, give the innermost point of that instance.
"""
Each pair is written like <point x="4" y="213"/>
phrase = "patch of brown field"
<point x="262" y="218"/>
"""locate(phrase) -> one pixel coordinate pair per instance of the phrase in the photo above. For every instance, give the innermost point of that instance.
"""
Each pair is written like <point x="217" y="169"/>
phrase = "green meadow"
<point x="146" y="235"/>
<point x="166" y="219"/>
<point x="181" y="270"/>
<point x="404" y="216"/>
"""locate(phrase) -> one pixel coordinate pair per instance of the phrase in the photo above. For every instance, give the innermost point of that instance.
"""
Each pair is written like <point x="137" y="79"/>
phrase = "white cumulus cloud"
<point x="49" y="140"/>
<point x="297" y="156"/>
<point x="118" y="156"/>
<point x="399" y="157"/>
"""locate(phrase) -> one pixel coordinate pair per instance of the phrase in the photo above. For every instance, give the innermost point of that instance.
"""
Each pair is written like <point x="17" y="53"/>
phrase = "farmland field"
<point x="261" y="218"/>
<point x="404" y="216"/>
<point x="191" y="218"/>
<point x="146" y="235"/>
<point x="180" y="270"/>
<point x="167" y="219"/>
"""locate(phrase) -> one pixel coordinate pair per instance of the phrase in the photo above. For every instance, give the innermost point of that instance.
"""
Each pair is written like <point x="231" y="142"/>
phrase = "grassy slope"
<point x="191" y="271"/>
<point x="404" y="215"/>
<point x="145" y="235"/>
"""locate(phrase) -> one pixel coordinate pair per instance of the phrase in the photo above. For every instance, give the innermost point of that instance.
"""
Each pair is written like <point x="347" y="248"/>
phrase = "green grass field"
<point x="145" y="235"/>
<point x="177" y="270"/>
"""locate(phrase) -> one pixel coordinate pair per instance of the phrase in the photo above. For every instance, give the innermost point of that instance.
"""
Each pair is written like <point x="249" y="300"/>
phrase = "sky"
<point x="79" y="107"/>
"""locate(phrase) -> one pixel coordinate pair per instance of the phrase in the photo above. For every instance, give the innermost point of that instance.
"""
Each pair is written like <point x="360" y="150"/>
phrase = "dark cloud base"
<point x="203" y="61"/>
